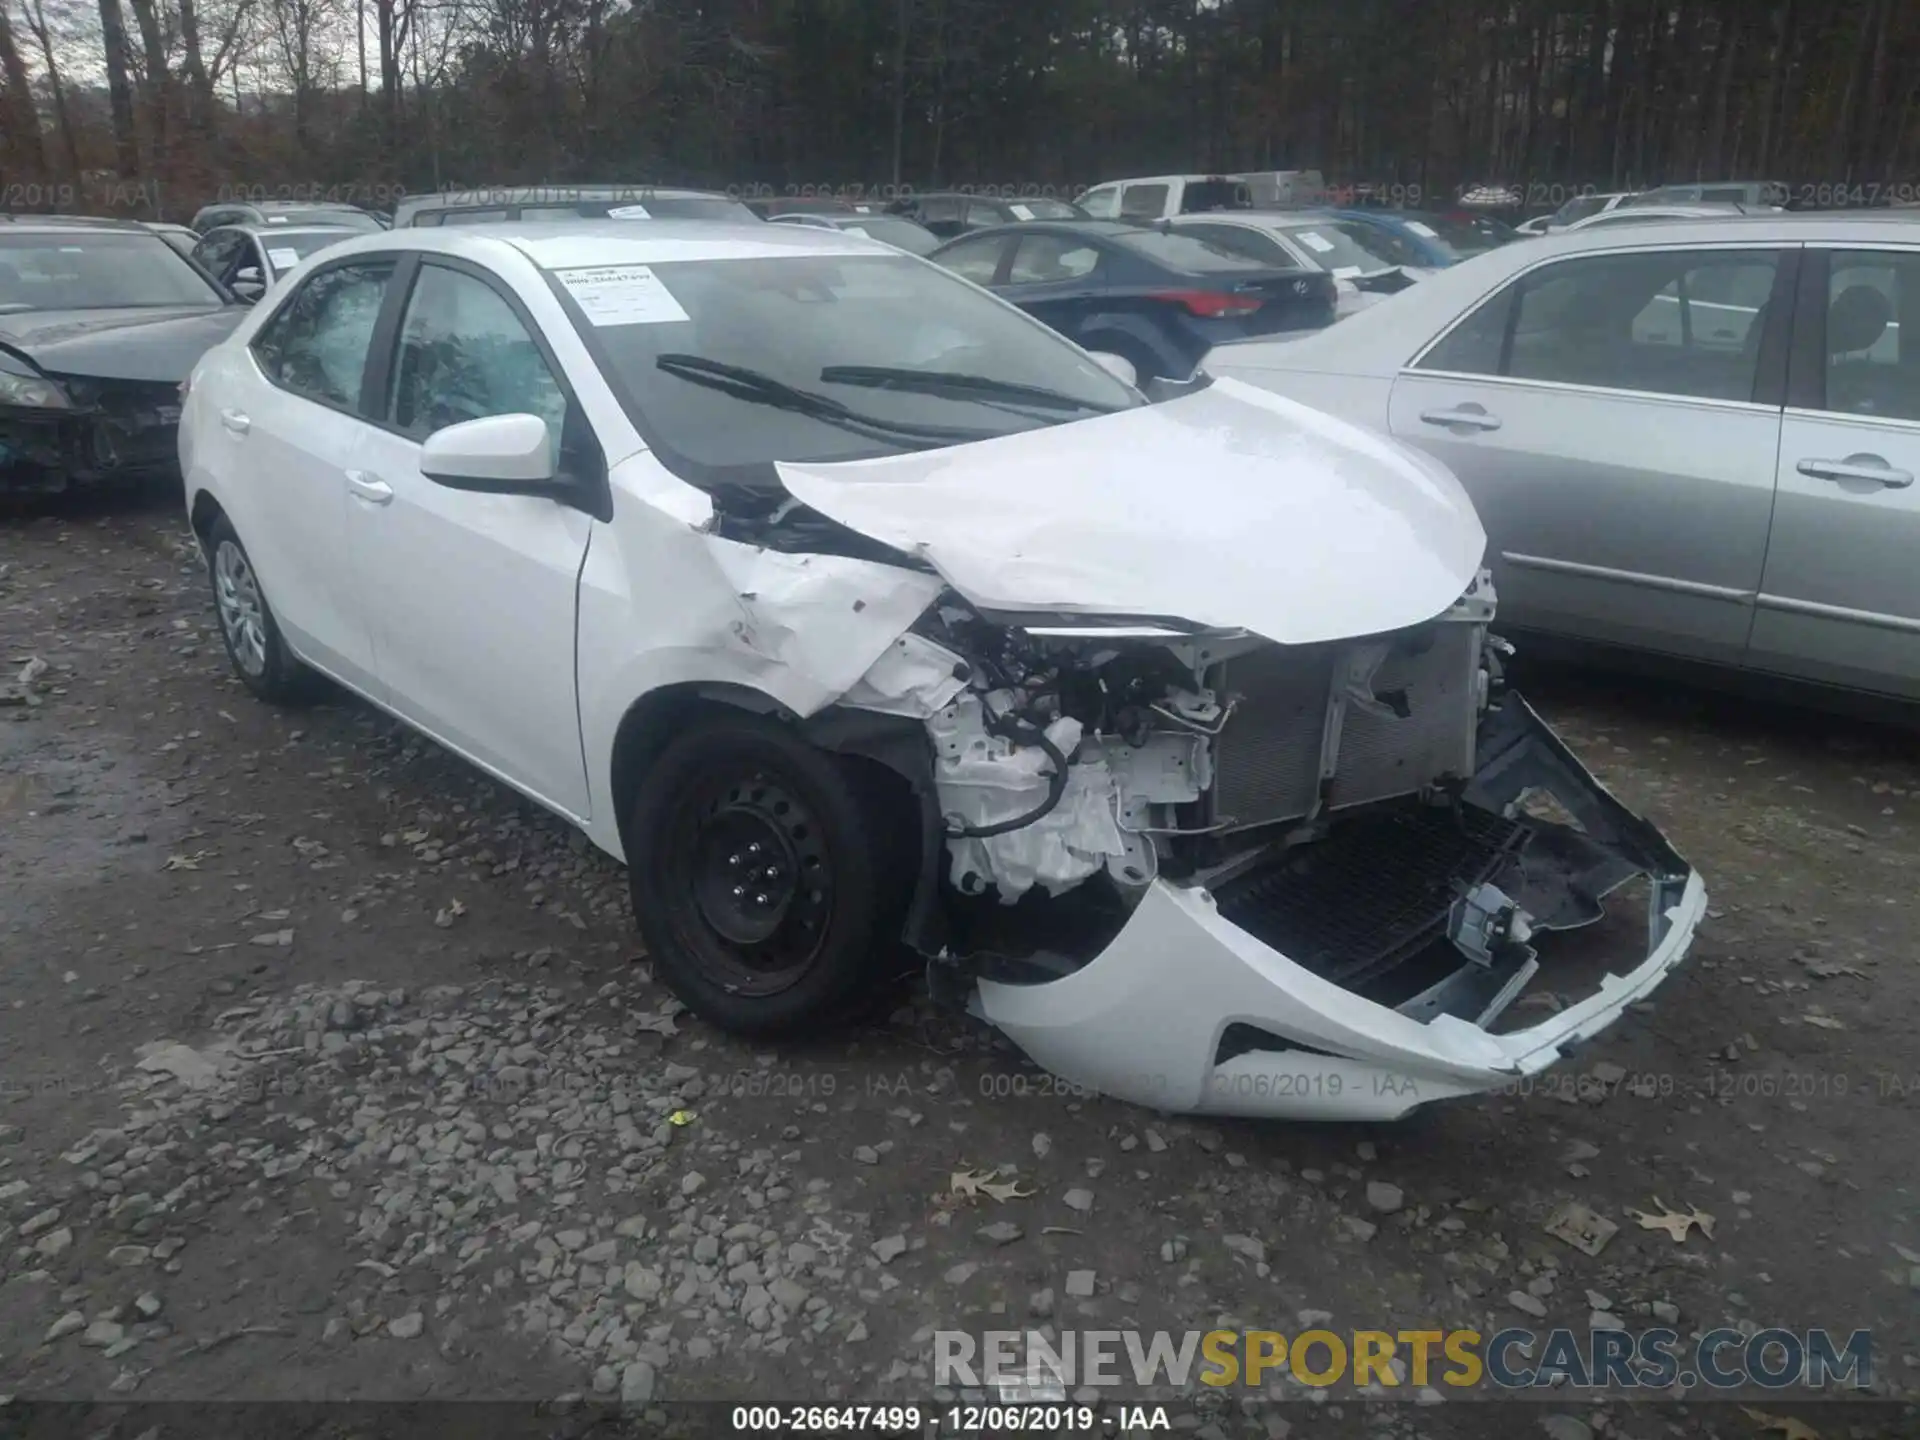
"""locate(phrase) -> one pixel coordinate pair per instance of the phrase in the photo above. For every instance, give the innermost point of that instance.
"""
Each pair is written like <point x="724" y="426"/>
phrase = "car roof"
<point x="487" y="196"/>
<point x="1171" y="179"/>
<point x="573" y="243"/>
<point x="71" y="223"/>
<point x="249" y="227"/>
<point x="1268" y="219"/>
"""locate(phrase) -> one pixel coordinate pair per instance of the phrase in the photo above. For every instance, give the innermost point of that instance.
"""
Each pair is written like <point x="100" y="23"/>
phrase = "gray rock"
<point x="1383" y="1197"/>
<point x="1566" y="1427"/>
<point x="1532" y="1305"/>
<point x="407" y="1326"/>
<point x="1042" y="1145"/>
<point x="54" y="1243"/>
<point x="1000" y="1232"/>
<point x="34" y="1224"/>
<point x="636" y="1383"/>
<point x="102" y="1333"/>
<point x="890" y="1249"/>
<point x="1666" y="1312"/>
<point x="706" y="1249"/>
<point x="1041" y="1303"/>
<point x="961" y="1273"/>
<point x="1240" y="1245"/>
<point x="1080" y="1200"/>
<point x="1080" y="1283"/>
<point x="866" y="1154"/>
<point x="606" y="1380"/>
<point x="128" y="1256"/>
<point x="68" y="1324"/>
<point x="789" y="1294"/>
<point x="643" y="1282"/>
<point x="1359" y="1229"/>
<point x="690" y="1184"/>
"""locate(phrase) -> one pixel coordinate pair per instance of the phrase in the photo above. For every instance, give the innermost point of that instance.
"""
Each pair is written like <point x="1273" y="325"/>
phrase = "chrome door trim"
<point x="1562" y="387"/>
<point x="1668" y="583"/>
<point x="1879" y="619"/>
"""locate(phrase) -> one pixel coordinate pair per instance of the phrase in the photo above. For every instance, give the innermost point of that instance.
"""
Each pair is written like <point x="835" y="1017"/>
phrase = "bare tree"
<point x="42" y="27"/>
<point x="23" y="119"/>
<point x="113" y="41"/>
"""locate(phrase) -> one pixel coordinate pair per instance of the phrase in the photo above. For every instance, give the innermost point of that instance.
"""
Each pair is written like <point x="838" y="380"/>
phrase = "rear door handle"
<point x="1466" y="417"/>
<point x="1857" y="467"/>
<point x="235" y="421"/>
<point x="376" y="492"/>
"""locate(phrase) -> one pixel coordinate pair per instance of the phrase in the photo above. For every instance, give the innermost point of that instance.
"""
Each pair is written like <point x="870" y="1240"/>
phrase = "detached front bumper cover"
<point x="1145" y="1018"/>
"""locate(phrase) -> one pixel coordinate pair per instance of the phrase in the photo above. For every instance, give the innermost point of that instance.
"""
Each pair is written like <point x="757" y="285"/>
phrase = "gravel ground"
<point x="331" y="1069"/>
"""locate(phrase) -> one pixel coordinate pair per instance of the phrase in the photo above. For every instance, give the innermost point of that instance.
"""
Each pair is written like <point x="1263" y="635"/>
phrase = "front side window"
<point x="316" y="345"/>
<point x="96" y="270"/>
<point x="1102" y="204"/>
<point x="1873" y="334"/>
<point x="1052" y="260"/>
<point x="1578" y="208"/>
<point x="1342" y="248"/>
<point x="975" y="260"/>
<point x="218" y="252"/>
<point x="1682" y="322"/>
<point x="982" y="213"/>
<point x="939" y="210"/>
<point x="876" y="354"/>
<point x="465" y="355"/>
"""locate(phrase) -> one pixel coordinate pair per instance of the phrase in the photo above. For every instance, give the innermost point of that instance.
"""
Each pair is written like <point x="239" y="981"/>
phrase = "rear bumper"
<point x="1144" y="1020"/>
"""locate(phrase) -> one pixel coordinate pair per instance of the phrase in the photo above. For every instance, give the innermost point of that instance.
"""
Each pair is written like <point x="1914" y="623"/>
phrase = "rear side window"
<point x="316" y="346"/>
<point x="1052" y="260"/>
<point x="1245" y="240"/>
<point x="1101" y="204"/>
<point x="1202" y="195"/>
<point x="474" y="217"/>
<point x="1873" y="334"/>
<point x="1143" y="202"/>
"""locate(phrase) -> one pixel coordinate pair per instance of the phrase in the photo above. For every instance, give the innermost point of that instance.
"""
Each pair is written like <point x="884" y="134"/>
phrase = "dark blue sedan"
<point x="1157" y="298"/>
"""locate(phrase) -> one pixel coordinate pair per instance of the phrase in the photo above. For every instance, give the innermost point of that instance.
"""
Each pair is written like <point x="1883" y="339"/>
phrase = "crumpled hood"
<point x="145" y="343"/>
<point x="1229" y="507"/>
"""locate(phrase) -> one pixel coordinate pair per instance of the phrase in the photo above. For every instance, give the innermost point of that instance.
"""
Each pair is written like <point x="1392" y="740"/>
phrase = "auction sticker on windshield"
<point x="621" y="295"/>
<point x="629" y="212"/>
<point x="1314" y="241"/>
<point x="283" y="259"/>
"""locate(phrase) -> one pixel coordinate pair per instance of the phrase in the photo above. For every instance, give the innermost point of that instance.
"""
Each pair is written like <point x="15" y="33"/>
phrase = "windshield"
<point x="1579" y="208"/>
<point x="74" y="270"/>
<point x="1347" y="248"/>
<point x="286" y="249"/>
<point x="1031" y="208"/>
<point x="796" y="320"/>
<point x="892" y="230"/>
<point x="1186" y="253"/>
<point x="350" y="219"/>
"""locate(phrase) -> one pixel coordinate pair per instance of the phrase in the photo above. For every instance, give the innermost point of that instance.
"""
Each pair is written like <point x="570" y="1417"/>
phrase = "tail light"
<point x="1211" y="304"/>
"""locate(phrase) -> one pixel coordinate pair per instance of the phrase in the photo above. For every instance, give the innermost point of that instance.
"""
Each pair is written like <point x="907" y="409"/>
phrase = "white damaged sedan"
<point x="865" y="617"/>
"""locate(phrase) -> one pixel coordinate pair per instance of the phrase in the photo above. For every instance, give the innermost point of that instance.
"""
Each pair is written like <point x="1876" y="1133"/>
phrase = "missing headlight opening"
<point x="1140" y="817"/>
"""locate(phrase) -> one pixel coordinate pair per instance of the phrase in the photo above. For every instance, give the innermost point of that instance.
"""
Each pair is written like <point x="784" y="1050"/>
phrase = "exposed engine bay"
<point x="117" y="430"/>
<point x="1376" y="811"/>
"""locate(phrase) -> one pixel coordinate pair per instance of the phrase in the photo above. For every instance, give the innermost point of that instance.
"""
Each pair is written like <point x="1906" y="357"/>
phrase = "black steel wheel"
<point x="757" y="866"/>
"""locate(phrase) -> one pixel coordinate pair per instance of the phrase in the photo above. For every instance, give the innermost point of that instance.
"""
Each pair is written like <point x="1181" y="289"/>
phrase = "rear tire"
<point x="255" y="646"/>
<point x="760" y="870"/>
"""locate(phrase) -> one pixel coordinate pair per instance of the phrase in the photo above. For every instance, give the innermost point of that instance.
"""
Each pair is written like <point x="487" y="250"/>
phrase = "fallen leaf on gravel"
<point x="446" y="917"/>
<point x="680" y="1117"/>
<point x="186" y="862"/>
<point x="31" y="672"/>
<point x="380" y="1268"/>
<point x="1580" y="1227"/>
<point x="658" y="1024"/>
<point x="183" y="1062"/>
<point x="273" y="937"/>
<point x="1060" y="1230"/>
<point x="1824" y="1022"/>
<point x="1785" y="1425"/>
<point x="972" y="1184"/>
<point x="1675" y="1222"/>
<point x="1827" y="970"/>
<point x="1912" y="1257"/>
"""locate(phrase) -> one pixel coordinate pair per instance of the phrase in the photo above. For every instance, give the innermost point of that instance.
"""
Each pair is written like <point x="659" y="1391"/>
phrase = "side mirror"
<point x="1117" y="366"/>
<point x="247" y="283"/>
<point x="497" y="455"/>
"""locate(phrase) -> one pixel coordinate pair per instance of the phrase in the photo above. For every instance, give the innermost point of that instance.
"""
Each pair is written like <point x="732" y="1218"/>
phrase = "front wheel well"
<point x="201" y="516"/>
<point x="654" y="719"/>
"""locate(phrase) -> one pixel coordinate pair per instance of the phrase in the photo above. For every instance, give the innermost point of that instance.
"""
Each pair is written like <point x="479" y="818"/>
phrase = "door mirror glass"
<point x="247" y="283"/>
<point x="502" y="454"/>
<point x="1117" y="366"/>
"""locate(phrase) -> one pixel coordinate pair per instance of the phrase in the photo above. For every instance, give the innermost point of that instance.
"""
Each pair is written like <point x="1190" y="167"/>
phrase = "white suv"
<point x="861" y="614"/>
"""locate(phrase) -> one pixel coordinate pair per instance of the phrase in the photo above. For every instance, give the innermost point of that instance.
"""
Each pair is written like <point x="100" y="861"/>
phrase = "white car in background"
<point x="1367" y="263"/>
<point x="1166" y="729"/>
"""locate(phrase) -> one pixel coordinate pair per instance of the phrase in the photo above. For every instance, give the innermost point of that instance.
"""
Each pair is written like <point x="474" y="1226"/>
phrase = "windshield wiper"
<point x="758" y="388"/>
<point x="965" y="387"/>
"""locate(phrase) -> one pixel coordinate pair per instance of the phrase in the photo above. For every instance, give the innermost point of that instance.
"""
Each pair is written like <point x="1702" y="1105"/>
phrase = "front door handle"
<point x="376" y="492"/>
<point x="1857" y="467"/>
<point x="1463" y="417"/>
<point x="236" y="422"/>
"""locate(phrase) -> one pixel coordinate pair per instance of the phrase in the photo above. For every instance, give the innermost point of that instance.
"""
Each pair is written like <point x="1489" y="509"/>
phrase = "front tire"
<point x="255" y="646"/>
<point x="759" y="867"/>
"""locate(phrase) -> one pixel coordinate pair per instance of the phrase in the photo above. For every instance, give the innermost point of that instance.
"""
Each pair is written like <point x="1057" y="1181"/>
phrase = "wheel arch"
<point x="893" y="754"/>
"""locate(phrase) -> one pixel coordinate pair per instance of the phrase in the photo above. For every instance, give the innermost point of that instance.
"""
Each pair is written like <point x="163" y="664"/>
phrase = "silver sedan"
<point x="1696" y="439"/>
